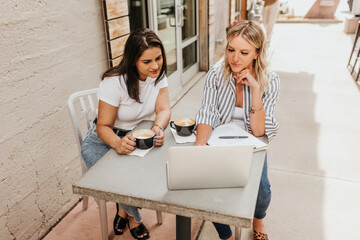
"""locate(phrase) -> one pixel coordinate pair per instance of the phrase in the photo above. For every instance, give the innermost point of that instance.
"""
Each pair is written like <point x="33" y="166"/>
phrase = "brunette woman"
<point x="128" y="94"/>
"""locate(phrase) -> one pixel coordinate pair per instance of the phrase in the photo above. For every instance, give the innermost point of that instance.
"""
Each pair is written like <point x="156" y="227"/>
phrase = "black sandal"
<point x="138" y="231"/>
<point x="119" y="222"/>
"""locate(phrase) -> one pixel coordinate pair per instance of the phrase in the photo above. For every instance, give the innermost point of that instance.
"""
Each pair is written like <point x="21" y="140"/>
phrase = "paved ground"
<point x="314" y="162"/>
<point x="314" y="166"/>
<point x="85" y="225"/>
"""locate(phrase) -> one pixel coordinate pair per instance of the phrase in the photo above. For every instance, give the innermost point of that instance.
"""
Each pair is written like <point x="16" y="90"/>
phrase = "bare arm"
<point x="257" y="119"/>
<point x="203" y="134"/>
<point x="104" y="127"/>
<point x="162" y="111"/>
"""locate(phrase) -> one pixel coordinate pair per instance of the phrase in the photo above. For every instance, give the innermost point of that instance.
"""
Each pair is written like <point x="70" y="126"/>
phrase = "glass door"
<point x="189" y="38"/>
<point x="175" y="22"/>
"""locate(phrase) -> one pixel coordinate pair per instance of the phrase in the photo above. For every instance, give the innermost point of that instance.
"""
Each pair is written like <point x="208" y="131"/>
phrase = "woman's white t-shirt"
<point x="113" y="91"/>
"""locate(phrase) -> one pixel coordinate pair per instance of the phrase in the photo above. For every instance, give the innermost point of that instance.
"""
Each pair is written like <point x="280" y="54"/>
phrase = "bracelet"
<point x="252" y="110"/>
<point x="157" y="125"/>
<point x="257" y="108"/>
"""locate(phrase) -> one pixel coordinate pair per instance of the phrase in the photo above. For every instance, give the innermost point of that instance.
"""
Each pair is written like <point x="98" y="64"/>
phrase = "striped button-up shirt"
<point x="219" y="101"/>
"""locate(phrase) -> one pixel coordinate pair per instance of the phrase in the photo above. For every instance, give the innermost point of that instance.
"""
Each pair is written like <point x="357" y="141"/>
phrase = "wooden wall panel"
<point x="243" y="12"/>
<point x="118" y="27"/>
<point x="117" y="46"/>
<point x="116" y="8"/>
<point x="203" y="35"/>
<point x="116" y="61"/>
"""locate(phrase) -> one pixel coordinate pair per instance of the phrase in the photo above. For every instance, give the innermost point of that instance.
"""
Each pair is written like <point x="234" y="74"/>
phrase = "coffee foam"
<point x="144" y="133"/>
<point x="184" y="122"/>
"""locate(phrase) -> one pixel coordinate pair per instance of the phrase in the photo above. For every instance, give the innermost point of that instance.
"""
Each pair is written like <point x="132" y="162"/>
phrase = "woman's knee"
<point x="263" y="201"/>
<point x="264" y="195"/>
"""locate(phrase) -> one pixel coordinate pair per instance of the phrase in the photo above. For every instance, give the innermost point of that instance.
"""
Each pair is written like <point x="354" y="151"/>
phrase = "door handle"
<point x="172" y="17"/>
<point x="180" y="16"/>
<point x="170" y="22"/>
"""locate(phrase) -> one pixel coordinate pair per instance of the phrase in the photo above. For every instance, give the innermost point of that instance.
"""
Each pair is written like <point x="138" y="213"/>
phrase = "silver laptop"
<point x="194" y="167"/>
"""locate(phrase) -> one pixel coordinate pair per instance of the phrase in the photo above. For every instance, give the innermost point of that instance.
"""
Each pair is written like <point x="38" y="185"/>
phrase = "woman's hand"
<point x="245" y="77"/>
<point x="200" y="144"/>
<point x="125" y="145"/>
<point x="159" y="139"/>
<point x="203" y="133"/>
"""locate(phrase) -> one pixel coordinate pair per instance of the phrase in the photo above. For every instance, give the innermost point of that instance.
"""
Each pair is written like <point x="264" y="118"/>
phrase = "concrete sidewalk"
<point x="314" y="162"/>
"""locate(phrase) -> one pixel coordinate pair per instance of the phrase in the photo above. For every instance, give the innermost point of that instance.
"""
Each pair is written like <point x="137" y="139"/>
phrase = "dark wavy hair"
<point x="139" y="41"/>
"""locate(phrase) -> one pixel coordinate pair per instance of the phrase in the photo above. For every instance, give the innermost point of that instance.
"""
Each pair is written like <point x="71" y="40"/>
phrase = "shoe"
<point x="138" y="231"/>
<point x="119" y="222"/>
<point x="260" y="236"/>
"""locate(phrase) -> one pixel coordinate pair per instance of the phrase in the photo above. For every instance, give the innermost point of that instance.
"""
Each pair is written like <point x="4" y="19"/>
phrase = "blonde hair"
<point x="253" y="33"/>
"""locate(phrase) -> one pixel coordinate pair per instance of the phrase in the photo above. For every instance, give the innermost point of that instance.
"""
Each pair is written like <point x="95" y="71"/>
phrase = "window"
<point x="138" y="16"/>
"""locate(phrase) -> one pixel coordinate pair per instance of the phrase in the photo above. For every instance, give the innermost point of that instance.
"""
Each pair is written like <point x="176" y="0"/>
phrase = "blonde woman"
<point x="242" y="90"/>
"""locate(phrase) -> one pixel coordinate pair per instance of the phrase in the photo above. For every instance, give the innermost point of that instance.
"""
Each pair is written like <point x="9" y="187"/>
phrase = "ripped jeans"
<point x="92" y="149"/>
<point x="262" y="204"/>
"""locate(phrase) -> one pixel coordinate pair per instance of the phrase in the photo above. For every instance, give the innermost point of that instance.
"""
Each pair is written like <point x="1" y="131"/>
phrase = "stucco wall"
<point x="48" y="49"/>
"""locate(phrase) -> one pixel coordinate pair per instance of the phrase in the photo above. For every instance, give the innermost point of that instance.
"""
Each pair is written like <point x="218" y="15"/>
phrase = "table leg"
<point x="237" y="233"/>
<point x="159" y="217"/>
<point x="103" y="219"/>
<point x="183" y="228"/>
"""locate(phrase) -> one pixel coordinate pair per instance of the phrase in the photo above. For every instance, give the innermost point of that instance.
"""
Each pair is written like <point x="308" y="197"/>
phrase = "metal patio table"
<point x="141" y="182"/>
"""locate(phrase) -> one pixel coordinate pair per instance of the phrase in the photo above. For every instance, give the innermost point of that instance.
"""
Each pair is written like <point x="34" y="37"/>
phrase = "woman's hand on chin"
<point x="245" y="77"/>
<point x="125" y="145"/>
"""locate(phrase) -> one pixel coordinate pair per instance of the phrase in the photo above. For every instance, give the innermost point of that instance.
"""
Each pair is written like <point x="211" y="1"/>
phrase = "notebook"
<point x="231" y="129"/>
<point x="195" y="167"/>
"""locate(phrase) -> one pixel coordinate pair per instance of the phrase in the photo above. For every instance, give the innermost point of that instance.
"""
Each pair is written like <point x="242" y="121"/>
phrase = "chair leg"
<point x="354" y="44"/>
<point x="85" y="202"/>
<point x="237" y="233"/>
<point x="357" y="35"/>
<point x="159" y="217"/>
<point x="103" y="218"/>
<point x="358" y="74"/>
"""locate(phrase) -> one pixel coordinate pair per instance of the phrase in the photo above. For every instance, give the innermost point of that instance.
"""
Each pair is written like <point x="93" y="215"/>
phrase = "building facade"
<point x="192" y="31"/>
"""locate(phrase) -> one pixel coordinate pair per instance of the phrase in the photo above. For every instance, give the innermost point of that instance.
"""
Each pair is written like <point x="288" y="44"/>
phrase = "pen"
<point x="232" y="137"/>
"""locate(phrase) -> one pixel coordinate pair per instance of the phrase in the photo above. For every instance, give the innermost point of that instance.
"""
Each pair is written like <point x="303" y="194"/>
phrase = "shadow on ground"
<point x="296" y="198"/>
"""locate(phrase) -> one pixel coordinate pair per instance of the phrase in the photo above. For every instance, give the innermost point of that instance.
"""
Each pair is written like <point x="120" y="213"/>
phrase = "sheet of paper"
<point x="180" y="139"/>
<point x="140" y="152"/>
<point x="231" y="129"/>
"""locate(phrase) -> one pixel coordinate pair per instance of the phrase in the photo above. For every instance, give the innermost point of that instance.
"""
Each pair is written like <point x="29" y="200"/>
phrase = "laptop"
<point x="196" y="167"/>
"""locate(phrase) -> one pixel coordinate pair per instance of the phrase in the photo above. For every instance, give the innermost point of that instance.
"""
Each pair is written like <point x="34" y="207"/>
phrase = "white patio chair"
<point x="83" y="111"/>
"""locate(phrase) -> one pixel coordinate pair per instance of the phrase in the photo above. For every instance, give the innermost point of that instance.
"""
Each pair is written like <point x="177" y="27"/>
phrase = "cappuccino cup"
<point x="183" y="126"/>
<point x="144" y="138"/>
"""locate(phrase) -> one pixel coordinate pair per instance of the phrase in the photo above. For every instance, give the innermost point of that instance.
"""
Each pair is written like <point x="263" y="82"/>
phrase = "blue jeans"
<point x="262" y="204"/>
<point x="92" y="149"/>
